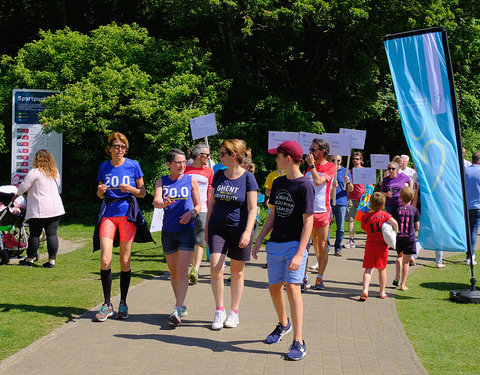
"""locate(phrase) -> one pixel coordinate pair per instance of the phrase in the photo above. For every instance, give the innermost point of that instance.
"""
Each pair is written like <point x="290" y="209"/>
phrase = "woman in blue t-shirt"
<point x="178" y="195"/>
<point x="232" y="209"/>
<point x="118" y="179"/>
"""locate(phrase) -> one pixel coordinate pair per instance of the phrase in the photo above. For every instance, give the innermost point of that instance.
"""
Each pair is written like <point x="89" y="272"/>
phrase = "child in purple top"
<point x="408" y="222"/>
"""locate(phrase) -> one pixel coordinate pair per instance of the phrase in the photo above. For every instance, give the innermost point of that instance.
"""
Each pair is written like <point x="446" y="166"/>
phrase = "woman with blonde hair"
<point x="44" y="206"/>
<point x="232" y="209"/>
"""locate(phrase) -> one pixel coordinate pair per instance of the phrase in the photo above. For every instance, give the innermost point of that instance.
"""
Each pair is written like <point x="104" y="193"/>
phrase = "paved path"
<point x="343" y="335"/>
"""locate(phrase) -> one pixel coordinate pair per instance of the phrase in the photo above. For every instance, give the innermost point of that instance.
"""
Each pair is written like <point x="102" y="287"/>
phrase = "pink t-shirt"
<point x="204" y="176"/>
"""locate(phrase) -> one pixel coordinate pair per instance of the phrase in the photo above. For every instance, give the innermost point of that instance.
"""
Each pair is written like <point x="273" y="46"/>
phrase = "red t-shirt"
<point x="322" y="192"/>
<point x="357" y="191"/>
<point x="372" y="224"/>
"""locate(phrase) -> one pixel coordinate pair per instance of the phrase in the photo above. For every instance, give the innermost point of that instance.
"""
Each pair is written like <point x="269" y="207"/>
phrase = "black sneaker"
<point x="338" y="253"/>
<point x="25" y="262"/>
<point x="48" y="265"/>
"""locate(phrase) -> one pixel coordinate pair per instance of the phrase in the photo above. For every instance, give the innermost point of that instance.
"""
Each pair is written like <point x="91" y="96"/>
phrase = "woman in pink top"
<point x="44" y="206"/>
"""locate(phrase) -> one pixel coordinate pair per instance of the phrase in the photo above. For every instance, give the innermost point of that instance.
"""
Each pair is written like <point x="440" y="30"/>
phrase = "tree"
<point x="118" y="78"/>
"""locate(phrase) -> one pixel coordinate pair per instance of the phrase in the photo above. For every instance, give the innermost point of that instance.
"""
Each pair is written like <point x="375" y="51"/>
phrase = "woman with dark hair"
<point x="229" y="232"/>
<point x="120" y="182"/>
<point x="178" y="195"/>
<point x="44" y="206"/>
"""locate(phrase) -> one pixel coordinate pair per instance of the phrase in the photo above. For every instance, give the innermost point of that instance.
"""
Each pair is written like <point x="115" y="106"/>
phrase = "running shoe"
<point x="47" y="264"/>
<point x="314" y="267"/>
<point x="218" y="320"/>
<point x="232" y="320"/>
<point x="297" y="351"/>
<point x="184" y="311"/>
<point x="338" y="253"/>
<point x="175" y="317"/>
<point x="193" y="277"/>
<point x="122" y="312"/>
<point x="278" y="333"/>
<point x="395" y="282"/>
<point x="319" y="285"/>
<point x="104" y="313"/>
<point x="305" y="284"/>
<point x="349" y="245"/>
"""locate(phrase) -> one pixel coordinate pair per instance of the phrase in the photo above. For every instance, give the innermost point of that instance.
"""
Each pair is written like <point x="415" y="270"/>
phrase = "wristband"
<point x="312" y="166"/>
<point x="193" y="212"/>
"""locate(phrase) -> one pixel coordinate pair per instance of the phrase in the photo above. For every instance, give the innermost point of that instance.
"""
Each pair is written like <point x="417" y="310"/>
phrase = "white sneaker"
<point x="349" y="245"/>
<point x="232" y="320"/>
<point x="218" y="320"/>
<point x="314" y="267"/>
<point x="467" y="261"/>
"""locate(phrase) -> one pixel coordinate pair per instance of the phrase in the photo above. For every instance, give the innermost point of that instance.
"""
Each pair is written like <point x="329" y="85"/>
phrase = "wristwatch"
<point x="193" y="212"/>
<point x="312" y="166"/>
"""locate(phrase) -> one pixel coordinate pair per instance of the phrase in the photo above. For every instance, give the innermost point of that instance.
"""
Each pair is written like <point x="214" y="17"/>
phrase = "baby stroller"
<point x="12" y="231"/>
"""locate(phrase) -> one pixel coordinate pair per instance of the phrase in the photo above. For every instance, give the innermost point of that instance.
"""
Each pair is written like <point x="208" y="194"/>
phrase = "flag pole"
<point x="471" y="295"/>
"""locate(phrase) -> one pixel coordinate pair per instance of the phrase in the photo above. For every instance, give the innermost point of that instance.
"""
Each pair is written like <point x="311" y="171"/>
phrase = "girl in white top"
<point x="44" y="206"/>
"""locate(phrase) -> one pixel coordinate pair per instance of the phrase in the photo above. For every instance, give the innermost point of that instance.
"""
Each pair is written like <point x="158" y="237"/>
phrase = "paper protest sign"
<point x="305" y="140"/>
<point x="340" y="144"/>
<point x="364" y="176"/>
<point x="379" y="161"/>
<point x="157" y="220"/>
<point x="275" y="138"/>
<point x="358" y="137"/>
<point x="203" y="126"/>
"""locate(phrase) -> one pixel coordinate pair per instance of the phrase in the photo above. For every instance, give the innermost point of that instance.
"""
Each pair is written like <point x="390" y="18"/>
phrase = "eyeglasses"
<point x="222" y="153"/>
<point x="391" y="169"/>
<point x="179" y="162"/>
<point x="314" y="149"/>
<point x="356" y="159"/>
<point x="204" y="154"/>
<point x="120" y="147"/>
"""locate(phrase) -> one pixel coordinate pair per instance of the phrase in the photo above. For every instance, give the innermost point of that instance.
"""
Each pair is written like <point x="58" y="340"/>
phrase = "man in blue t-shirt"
<point x="339" y="206"/>
<point x="291" y="223"/>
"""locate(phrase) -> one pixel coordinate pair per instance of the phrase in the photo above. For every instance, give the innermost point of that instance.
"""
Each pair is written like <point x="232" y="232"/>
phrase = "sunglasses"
<point x="204" y="154"/>
<point x="356" y="159"/>
<point x="391" y="169"/>
<point x="222" y="153"/>
<point x="314" y="149"/>
<point x="119" y="147"/>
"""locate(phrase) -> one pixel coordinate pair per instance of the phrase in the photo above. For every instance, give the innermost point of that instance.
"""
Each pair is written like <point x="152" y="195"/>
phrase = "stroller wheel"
<point x="4" y="257"/>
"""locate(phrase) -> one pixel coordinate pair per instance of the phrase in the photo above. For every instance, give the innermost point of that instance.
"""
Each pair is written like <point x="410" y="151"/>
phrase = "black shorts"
<point x="405" y="246"/>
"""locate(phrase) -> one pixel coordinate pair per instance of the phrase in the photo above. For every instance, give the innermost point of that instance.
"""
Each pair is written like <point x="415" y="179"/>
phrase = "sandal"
<point x="383" y="297"/>
<point x="363" y="297"/>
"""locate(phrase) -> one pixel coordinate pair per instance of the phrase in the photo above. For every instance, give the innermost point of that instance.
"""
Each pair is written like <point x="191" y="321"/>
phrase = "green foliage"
<point x="116" y="79"/>
<point x="260" y="65"/>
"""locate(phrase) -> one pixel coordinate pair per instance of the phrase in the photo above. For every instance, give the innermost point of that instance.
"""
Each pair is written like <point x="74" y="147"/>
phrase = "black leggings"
<point x="50" y="225"/>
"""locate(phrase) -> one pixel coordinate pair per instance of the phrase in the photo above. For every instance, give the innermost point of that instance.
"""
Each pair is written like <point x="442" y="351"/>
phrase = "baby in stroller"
<point x="12" y="216"/>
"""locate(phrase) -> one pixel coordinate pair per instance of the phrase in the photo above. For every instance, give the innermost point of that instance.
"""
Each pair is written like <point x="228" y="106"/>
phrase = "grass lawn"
<point x="34" y="301"/>
<point x="443" y="333"/>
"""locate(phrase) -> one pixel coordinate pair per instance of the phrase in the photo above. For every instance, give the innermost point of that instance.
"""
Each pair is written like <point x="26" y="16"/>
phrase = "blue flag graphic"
<point x="420" y="76"/>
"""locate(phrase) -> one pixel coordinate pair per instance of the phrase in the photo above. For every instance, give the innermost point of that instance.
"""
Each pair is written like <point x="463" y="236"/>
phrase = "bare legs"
<point x="178" y="263"/>
<point x="236" y="288"/>
<point x="296" y="306"/>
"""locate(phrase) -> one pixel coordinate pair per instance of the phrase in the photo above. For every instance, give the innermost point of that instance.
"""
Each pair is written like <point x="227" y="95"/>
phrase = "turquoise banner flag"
<point x="420" y="67"/>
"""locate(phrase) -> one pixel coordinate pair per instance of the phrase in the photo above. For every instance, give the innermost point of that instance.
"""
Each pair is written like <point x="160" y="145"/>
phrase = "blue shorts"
<point x="183" y="240"/>
<point x="279" y="256"/>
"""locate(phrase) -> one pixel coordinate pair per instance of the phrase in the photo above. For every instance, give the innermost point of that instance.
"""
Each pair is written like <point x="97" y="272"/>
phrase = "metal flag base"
<point x="465" y="296"/>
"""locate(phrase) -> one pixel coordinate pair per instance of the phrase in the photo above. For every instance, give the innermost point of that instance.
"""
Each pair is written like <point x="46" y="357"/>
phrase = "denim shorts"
<point x="279" y="256"/>
<point x="173" y="241"/>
